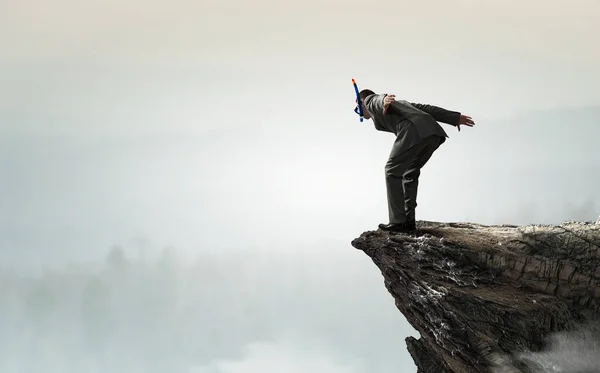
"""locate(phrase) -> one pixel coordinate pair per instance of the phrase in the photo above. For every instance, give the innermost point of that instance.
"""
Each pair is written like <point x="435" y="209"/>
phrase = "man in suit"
<point x="418" y="135"/>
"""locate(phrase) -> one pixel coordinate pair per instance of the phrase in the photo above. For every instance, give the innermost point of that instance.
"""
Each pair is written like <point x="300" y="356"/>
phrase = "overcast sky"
<point x="210" y="125"/>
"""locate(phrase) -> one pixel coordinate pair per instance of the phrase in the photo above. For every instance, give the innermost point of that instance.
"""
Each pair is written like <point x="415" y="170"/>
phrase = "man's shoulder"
<point x="374" y="102"/>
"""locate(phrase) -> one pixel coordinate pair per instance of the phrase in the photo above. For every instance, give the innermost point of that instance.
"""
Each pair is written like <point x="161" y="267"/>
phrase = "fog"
<point x="569" y="352"/>
<point x="223" y="133"/>
<point x="248" y="311"/>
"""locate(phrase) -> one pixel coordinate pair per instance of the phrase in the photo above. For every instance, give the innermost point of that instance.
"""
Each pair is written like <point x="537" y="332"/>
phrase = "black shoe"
<point x="404" y="227"/>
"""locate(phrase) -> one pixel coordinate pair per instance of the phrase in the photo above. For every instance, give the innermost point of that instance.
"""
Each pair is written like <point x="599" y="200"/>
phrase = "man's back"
<point x="409" y="121"/>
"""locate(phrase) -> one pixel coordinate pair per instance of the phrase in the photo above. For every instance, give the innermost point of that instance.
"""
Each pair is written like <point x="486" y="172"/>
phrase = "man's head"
<point x="363" y="95"/>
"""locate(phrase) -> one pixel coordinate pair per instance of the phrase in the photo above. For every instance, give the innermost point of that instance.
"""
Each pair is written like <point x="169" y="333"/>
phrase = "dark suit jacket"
<point x="410" y="122"/>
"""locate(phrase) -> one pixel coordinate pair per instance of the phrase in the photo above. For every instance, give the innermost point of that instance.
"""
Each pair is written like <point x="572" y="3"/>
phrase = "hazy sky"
<point x="209" y="125"/>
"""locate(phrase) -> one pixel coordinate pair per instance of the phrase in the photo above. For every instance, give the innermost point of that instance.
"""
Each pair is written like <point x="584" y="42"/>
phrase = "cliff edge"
<point x="486" y="298"/>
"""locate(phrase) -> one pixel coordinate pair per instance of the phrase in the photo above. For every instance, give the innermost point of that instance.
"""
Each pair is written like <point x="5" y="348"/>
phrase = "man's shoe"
<point x="404" y="227"/>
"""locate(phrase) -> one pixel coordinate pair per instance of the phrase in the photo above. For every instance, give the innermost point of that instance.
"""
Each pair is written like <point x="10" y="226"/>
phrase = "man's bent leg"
<point x="412" y="173"/>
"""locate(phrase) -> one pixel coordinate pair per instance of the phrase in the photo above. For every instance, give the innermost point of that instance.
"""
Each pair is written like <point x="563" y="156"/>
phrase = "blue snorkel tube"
<point x="358" y="109"/>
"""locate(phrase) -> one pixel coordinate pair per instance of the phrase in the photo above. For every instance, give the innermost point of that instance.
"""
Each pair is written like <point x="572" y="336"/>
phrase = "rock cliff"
<point x="494" y="298"/>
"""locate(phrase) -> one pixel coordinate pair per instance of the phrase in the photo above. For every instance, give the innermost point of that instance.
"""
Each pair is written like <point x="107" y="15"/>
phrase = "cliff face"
<point x="492" y="298"/>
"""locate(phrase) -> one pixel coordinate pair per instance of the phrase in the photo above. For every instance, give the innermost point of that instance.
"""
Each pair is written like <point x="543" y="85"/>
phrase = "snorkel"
<point x="358" y="109"/>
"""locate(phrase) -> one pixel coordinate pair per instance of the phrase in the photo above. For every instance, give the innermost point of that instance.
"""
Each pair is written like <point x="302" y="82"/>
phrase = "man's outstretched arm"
<point x="454" y="118"/>
<point x="439" y="114"/>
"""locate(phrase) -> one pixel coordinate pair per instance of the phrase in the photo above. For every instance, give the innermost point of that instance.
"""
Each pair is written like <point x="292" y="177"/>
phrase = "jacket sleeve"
<point x="439" y="114"/>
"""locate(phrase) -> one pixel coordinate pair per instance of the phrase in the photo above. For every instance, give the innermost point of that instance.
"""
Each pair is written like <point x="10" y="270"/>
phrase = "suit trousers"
<point x="402" y="172"/>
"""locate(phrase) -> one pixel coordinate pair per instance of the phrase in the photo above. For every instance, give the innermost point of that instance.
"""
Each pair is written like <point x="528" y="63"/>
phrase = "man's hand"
<point x="387" y="100"/>
<point x="466" y="121"/>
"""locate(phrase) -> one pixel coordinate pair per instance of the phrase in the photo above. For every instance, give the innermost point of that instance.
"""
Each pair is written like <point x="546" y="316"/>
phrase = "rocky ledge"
<point x="493" y="298"/>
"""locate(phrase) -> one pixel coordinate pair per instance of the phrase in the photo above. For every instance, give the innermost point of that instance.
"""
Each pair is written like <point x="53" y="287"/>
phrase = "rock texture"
<point x="484" y="298"/>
